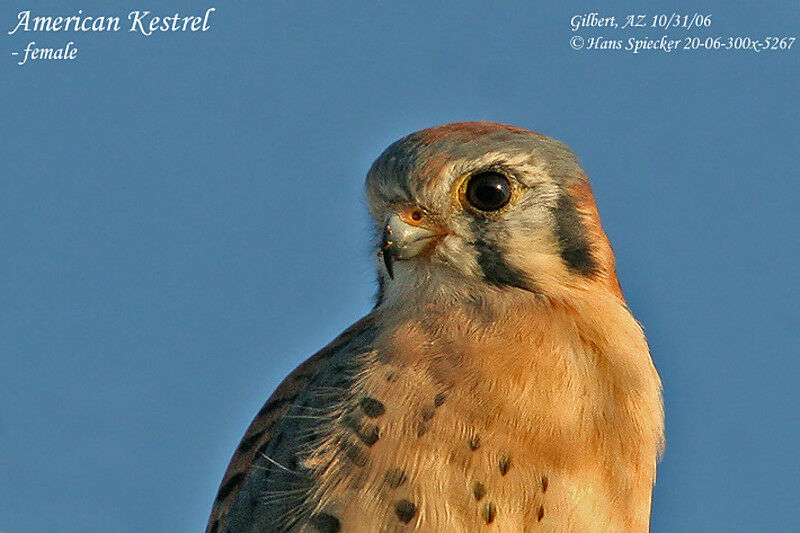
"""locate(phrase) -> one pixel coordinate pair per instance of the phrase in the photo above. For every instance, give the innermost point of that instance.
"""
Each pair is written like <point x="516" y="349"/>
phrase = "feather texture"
<point x="526" y="401"/>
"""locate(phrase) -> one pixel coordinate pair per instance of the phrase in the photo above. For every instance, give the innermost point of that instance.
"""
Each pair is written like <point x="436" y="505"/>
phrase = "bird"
<point x="499" y="383"/>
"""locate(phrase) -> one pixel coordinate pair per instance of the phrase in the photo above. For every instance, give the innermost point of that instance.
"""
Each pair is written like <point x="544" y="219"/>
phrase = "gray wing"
<point x="265" y="488"/>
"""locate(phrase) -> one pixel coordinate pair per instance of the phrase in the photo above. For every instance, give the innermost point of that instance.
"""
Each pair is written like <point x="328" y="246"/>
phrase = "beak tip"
<point x="402" y="240"/>
<point x="387" y="261"/>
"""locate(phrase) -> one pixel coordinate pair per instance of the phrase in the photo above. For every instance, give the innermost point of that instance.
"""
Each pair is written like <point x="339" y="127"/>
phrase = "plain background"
<point x="182" y="222"/>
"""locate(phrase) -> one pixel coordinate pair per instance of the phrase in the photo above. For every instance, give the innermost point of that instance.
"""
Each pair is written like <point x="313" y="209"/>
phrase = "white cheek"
<point x="453" y="253"/>
<point x="448" y="272"/>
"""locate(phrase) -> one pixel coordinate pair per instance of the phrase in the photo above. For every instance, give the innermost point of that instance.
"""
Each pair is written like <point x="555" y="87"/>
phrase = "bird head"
<point x="468" y="210"/>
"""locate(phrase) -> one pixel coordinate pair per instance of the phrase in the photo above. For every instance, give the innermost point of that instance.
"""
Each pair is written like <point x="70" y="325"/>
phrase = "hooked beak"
<point x="403" y="240"/>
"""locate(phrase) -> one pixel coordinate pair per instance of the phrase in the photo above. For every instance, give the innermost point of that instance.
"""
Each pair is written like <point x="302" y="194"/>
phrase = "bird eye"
<point x="488" y="191"/>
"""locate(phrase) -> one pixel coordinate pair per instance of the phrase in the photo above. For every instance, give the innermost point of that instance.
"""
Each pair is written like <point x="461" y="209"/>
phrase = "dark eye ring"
<point x="488" y="191"/>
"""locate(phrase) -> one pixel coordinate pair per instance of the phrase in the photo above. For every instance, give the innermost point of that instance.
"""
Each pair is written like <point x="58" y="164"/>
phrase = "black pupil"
<point x="488" y="191"/>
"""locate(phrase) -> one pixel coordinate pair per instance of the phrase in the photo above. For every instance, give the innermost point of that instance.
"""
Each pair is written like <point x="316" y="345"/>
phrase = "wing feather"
<point x="262" y="429"/>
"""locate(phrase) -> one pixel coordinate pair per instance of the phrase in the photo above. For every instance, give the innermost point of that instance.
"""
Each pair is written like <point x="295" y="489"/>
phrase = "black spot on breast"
<point x="439" y="400"/>
<point x="229" y="485"/>
<point x="395" y="477"/>
<point x="405" y="510"/>
<point x="351" y="420"/>
<point x="540" y="513"/>
<point x="421" y="429"/>
<point x="326" y="523"/>
<point x="474" y="442"/>
<point x="478" y="490"/>
<point x="370" y="435"/>
<point x="505" y="464"/>
<point x="355" y="454"/>
<point x="573" y="243"/>
<point x="372" y="407"/>
<point x="488" y="512"/>
<point x="427" y="413"/>
<point x="545" y="483"/>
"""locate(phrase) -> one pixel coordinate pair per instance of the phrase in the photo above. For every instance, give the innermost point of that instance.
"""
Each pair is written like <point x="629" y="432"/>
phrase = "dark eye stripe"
<point x="573" y="243"/>
<point x="491" y="260"/>
<point x="494" y="267"/>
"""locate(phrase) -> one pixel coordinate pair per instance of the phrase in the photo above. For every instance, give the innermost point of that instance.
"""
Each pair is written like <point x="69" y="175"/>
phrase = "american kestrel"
<point x="499" y="384"/>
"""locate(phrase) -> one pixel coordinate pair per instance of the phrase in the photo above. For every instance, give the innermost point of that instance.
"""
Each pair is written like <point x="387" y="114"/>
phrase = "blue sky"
<point x="182" y="222"/>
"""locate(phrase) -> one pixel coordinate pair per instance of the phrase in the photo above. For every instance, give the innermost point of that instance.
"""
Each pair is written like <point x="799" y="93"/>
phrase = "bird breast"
<point x="536" y="421"/>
